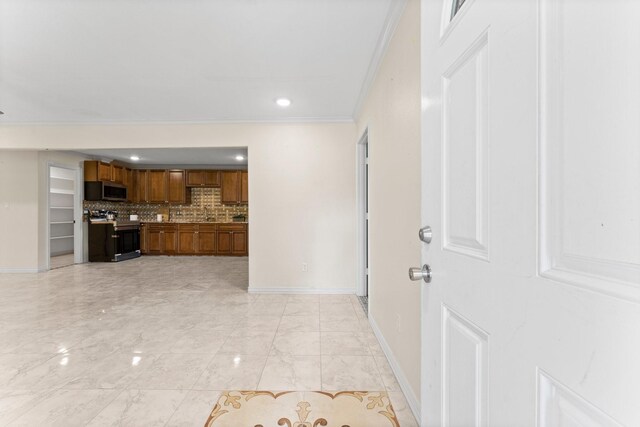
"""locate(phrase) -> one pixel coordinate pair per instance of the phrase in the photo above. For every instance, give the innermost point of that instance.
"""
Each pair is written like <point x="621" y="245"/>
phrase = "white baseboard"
<point x="309" y="291"/>
<point x="412" y="399"/>
<point x="21" y="270"/>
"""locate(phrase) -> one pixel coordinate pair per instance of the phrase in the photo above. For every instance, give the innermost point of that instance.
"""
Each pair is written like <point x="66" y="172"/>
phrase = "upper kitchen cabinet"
<point x="165" y="186"/>
<point x="140" y="181"/>
<point x="244" y="187"/>
<point x="95" y="170"/>
<point x="176" y="189"/>
<point x="235" y="187"/>
<point x="203" y="178"/>
<point x="157" y="186"/>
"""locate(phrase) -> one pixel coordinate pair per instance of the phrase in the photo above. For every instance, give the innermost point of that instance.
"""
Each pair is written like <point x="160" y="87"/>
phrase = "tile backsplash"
<point x="205" y="207"/>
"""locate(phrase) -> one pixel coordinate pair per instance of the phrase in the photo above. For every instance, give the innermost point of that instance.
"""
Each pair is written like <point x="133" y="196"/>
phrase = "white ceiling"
<point x="174" y="157"/>
<point x="100" y="61"/>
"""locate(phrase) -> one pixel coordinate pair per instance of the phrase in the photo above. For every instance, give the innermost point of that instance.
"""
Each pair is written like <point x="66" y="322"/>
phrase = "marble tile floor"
<point x="153" y="341"/>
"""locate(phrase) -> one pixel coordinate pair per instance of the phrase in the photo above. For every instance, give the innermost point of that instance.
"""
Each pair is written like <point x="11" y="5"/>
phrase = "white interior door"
<point x="531" y="183"/>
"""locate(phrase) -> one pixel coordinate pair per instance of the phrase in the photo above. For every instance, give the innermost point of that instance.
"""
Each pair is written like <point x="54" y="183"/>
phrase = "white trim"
<point x="22" y="270"/>
<point x="309" y="291"/>
<point x="412" y="399"/>
<point x="393" y="18"/>
<point x="361" y="211"/>
<point x="279" y="120"/>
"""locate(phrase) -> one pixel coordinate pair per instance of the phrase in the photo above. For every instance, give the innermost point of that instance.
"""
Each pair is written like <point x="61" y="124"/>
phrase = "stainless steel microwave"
<point x="100" y="190"/>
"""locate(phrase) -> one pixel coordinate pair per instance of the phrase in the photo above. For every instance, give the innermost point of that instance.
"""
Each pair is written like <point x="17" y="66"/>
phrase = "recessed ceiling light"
<point x="283" y="102"/>
<point x="134" y="158"/>
<point x="239" y="157"/>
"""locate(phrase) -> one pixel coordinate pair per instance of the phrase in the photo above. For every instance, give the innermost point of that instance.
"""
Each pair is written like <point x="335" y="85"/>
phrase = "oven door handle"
<point x="115" y="236"/>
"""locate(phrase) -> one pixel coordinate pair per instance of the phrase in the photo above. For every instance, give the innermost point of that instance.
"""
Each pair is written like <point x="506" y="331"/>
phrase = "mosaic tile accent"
<point x="205" y="207"/>
<point x="288" y="408"/>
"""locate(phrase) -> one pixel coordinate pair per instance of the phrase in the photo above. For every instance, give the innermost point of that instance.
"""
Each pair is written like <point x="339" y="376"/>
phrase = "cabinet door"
<point x="154" y="240"/>
<point x="140" y="186"/>
<point x="104" y="171"/>
<point x="224" y="242"/>
<point x="117" y="174"/>
<point x="176" y="189"/>
<point x="187" y="239"/>
<point x="157" y="186"/>
<point x="230" y="187"/>
<point x="244" y="187"/>
<point x="206" y="239"/>
<point x="195" y="178"/>
<point x="212" y="178"/>
<point x="128" y="182"/>
<point x="144" y="248"/>
<point x="170" y="240"/>
<point x="239" y="242"/>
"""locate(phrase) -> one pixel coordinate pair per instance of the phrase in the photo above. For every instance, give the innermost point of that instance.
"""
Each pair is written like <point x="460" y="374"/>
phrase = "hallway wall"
<point x="391" y="113"/>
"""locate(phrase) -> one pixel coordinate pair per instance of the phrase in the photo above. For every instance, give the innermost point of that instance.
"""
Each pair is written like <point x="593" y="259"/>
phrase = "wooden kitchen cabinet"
<point x="117" y="174"/>
<point x="157" y="186"/>
<point x="202" y="178"/>
<point x="187" y="238"/>
<point x="162" y="186"/>
<point x="176" y="188"/>
<point x="230" y="239"/>
<point x="206" y="243"/>
<point x="95" y="170"/>
<point x="162" y="239"/>
<point x="244" y="187"/>
<point x="144" y="248"/>
<point x="235" y="187"/>
<point x="140" y="186"/>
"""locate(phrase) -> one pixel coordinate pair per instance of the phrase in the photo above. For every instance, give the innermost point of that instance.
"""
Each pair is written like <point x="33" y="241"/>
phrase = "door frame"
<point x="361" y="209"/>
<point x="78" y="236"/>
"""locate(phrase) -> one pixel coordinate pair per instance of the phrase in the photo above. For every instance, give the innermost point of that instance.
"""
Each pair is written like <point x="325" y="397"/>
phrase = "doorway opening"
<point x="363" y="219"/>
<point x="63" y="199"/>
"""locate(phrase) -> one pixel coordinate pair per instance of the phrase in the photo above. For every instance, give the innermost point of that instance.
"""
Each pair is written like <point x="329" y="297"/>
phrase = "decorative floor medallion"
<point x="302" y="409"/>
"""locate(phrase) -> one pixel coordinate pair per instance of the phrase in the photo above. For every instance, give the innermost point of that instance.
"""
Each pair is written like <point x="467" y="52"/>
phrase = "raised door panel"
<point x="157" y="186"/>
<point x="140" y="185"/>
<point x="244" y="187"/>
<point x="230" y="187"/>
<point x="206" y="239"/>
<point x="195" y="178"/>
<point x="212" y="178"/>
<point x="187" y="238"/>
<point x="224" y="242"/>
<point x="154" y="241"/>
<point x="104" y="171"/>
<point x="239" y="246"/>
<point x="117" y="174"/>
<point x="144" y="239"/>
<point x="128" y="182"/>
<point x="170" y="240"/>
<point x="176" y="189"/>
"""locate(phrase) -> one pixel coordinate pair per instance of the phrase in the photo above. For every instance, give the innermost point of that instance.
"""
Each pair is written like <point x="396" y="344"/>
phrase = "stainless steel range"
<point x="113" y="240"/>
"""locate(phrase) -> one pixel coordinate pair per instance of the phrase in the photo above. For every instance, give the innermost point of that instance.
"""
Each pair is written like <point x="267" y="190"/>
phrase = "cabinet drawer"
<point x="232" y="227"/>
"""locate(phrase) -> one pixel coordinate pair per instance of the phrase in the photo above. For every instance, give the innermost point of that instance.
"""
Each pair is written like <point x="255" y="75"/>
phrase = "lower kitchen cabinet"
<point x="162" y="239"/>
<point x="195" y="239"/>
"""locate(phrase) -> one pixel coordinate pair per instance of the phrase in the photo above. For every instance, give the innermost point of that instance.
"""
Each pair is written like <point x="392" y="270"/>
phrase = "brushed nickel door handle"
<point x="424" y="273"/>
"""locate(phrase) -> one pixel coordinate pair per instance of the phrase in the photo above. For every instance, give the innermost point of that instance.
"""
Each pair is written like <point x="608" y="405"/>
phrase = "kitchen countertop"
<point x="194" y="222"/>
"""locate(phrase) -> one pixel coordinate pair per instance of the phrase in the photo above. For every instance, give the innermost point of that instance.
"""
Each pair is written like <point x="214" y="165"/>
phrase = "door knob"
<point x="423" y="273"/>
<point x="425" y="234"/>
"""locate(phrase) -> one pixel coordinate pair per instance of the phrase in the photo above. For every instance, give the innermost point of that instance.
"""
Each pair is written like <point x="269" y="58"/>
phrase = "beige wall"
<point x="391" y="113"/>
<point x="301" y="189"/>
<point x="19" y="237"/>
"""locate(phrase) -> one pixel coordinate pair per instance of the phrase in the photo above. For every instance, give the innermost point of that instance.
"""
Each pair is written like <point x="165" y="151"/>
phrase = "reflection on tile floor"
<point x="154" y="340"/>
